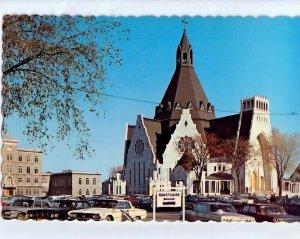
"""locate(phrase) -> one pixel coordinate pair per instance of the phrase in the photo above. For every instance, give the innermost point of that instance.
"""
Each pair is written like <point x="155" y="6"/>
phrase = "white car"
<point x="109" y="210"/>
<point x="219" y="212"/>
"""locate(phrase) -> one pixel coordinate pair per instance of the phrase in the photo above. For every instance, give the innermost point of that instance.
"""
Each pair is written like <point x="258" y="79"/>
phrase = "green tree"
<point x="54" y="70"/>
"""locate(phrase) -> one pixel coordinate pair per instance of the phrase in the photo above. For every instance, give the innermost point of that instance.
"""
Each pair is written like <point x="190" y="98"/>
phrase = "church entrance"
<point x="265" y="182"/>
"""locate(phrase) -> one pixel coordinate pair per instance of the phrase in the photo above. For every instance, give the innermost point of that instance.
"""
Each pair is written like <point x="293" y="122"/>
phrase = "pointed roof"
<point x="184" y="44"/>
<point x="184" y="88"/>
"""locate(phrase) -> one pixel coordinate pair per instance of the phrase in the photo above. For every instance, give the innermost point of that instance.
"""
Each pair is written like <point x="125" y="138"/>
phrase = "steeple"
<point x="184" y="55"/>
<point x="184" y="90"/>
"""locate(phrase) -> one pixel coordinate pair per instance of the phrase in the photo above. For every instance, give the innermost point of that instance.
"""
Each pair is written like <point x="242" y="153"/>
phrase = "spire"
<point x="184" y="56"/>
<point x="184" y="90"/>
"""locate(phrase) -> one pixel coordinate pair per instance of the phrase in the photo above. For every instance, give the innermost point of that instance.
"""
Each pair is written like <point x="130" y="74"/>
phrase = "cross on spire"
<point x="184" y="21"/>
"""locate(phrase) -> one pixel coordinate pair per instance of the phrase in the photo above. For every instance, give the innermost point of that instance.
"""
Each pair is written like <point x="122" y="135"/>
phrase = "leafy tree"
<point x="285" y="149"/>
<point x="54" y="70"/>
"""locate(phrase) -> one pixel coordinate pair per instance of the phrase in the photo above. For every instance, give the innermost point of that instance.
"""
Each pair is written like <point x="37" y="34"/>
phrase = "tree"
<point x="114" y="170"/>
<point x="285" y="150"/>
<point x="238" y="152"/>
<point x="54" y="71"/>
<point x="196" y="156"/>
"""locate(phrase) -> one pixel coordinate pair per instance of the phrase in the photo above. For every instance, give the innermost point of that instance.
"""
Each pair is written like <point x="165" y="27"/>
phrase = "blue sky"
<point x="234" y="57"/>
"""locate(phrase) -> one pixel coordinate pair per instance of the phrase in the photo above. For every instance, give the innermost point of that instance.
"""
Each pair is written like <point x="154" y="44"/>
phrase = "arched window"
<point x="215" y="168"/>
<point x="94" y="192"/>
<point x="219" y="168"/>
<point x="80" y="192"/>
<point x="224" y="168"/>
<point x="87" y="192"/>
<point x="191" y="55"/>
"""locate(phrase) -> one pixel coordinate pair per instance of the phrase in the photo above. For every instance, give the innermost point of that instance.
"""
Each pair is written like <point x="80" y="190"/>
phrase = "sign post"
<point x="169" y="197"/>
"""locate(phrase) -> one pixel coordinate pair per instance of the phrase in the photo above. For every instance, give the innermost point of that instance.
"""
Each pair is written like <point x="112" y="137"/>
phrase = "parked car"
<point x="192" y="200"/>
<point x="20" y="208"/>
<point x="268" y="213"/>
<point x="143" y="203"/>
<point x="58" y="209"/>
<point x="110" y="210"/>
<point x="215" y="211"/>
<point x="291" y="205"/>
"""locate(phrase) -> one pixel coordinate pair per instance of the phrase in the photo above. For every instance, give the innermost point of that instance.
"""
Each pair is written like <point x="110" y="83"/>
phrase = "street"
<point x="169" y="216"/>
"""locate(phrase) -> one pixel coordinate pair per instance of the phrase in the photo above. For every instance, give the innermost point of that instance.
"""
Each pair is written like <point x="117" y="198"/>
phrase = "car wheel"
<point x="21" y="217"/>
<point x="109" y="218"/>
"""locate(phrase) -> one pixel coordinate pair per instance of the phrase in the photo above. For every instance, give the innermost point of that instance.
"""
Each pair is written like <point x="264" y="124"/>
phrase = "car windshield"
<point x="105" y="204"/>
<point x="64" y="204"/>
<point x="222" y="208"/>
<point x="23" y="203"/>
<point x="272" y="210"/>
<point x="295" y="201"/>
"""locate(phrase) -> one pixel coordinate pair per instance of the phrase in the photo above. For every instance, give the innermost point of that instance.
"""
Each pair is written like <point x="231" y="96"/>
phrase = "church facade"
<point x="153" y="147"/>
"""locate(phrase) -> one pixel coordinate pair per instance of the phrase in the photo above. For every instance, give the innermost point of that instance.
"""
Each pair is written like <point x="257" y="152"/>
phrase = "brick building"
<point x="21" y="169"/>
<point x="75" y="183"/>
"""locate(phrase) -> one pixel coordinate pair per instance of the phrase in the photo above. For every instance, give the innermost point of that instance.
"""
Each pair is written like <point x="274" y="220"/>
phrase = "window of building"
<point x="223" y="168"/>
<point x="9" y="169"/>
<point x="80" y="192"/>
<point x="79" y="182"/>
<point x="215" y="168"/>
<point x="28" y="180"/>
<point x="139" y="173"/>
<point x="36" y="170"/>
<point x="28" y="170"/>
<point x="29" y="191"/>
<point x="28" y="158"/>
<point x="20" y="169"/>
<point x="9" y="157"/>
<point x="94" y="192"/>
<point x="20" y="158"/>
<point x="36" y="159"/>
<point x="87" y="181"/>
<point x="94" y="181"/>
<point x="219" y="168"/>
<point x="26" y="192"/>
<point x="36" y="180"/>
<point x="20" y="180"/>
<point x="184" y="58"/>
<point x="87" y="192"/>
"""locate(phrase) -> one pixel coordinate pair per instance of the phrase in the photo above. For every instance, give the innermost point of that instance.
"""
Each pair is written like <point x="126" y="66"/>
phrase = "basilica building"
<point x="153" y="147"/>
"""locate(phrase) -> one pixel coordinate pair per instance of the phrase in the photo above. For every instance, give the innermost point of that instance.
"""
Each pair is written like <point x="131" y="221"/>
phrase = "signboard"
<point x="169" y="199"/>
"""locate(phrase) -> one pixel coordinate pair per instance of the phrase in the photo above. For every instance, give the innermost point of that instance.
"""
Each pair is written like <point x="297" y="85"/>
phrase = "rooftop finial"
<point x="184" y="21"/>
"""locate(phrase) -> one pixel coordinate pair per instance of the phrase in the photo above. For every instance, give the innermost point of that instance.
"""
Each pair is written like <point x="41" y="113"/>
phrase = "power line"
<point x="156" y="103"/>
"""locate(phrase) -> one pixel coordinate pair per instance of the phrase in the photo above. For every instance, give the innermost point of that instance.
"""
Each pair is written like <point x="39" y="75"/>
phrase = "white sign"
<point x="169" y="199"/>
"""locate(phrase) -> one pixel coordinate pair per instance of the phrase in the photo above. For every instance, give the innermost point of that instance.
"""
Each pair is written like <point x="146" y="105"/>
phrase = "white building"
<point x="153" y="147"/>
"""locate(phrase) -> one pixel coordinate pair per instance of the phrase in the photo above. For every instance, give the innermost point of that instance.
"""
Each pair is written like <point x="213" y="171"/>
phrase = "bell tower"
<point x="185" y="91"/>
<point x="184" y="55"/>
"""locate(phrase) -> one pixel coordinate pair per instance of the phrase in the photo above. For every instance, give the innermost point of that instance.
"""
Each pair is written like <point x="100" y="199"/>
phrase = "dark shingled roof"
<point x="153" y="128"/>
<point x="184" y="89"/>
<point x="220" y="176"/>
<point x="129" y="134"/>
<point x="227" y="127"/>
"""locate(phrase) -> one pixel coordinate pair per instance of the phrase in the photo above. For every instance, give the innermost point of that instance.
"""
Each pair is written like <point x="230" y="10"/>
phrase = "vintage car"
<point x="58" y="209"/>
<point x="143" y="203"/>
<point x="215" y="211"/>
<point x="192" y="200"/>
<point x="291" y="205"/>
<point x="109" y="210"/>
<point x="268" y="213"/>
<point x="20" y="208"/>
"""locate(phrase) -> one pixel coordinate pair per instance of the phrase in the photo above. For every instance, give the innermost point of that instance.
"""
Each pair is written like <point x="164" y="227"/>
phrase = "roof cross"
<point x="184" y="21"/>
